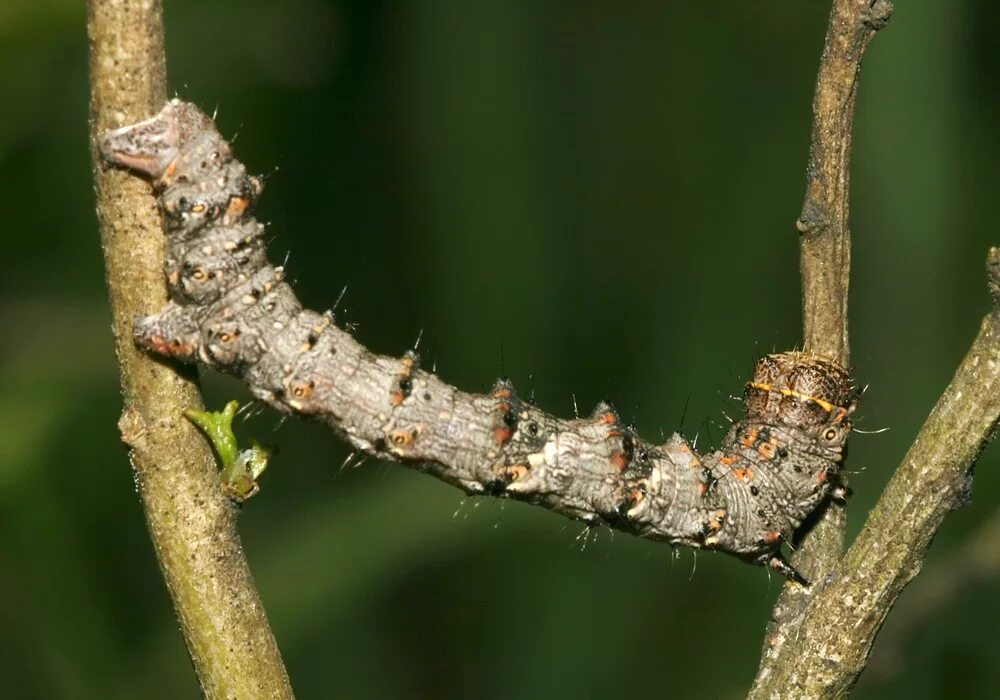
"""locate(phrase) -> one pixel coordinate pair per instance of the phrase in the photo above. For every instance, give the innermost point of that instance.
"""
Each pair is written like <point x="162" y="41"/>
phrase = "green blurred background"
<point x="594" y="198"/>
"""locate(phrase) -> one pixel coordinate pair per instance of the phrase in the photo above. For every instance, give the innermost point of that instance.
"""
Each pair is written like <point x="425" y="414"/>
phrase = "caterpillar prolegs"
<point x="231" y="310"/>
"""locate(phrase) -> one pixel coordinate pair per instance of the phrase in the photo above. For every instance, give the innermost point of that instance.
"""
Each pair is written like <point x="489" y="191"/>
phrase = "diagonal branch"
<point x="191" y="524"/>
<point x="825" y="258"/>
<point x="935" y="477"/>
<point x="976" y="562"/>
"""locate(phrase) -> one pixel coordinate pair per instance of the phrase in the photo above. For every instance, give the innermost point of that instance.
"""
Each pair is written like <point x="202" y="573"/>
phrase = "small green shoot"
<point x="240" y="468"/>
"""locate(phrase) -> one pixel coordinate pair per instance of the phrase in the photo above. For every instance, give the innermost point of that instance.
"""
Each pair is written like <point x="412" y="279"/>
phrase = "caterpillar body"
<point x="231" y="310"/>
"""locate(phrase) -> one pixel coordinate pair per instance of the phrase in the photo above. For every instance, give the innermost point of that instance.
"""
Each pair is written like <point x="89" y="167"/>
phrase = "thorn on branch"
<point x="813" y="219"/>
<point x="878" y="14"/>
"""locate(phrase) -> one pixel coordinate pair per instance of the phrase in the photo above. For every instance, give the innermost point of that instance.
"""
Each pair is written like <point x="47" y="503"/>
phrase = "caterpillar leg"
<point x="775" y="561"/>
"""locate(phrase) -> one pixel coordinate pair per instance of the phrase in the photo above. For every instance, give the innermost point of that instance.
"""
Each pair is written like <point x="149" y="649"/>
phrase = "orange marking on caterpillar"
<point x="404" y="385"/>
<point x="168" y="173"/>
<point x="502" y="434"/>
<point x="773" y="536"/>
<point x="514" y="472"/>
<point x="322" y="326"/>
<point x="750" y="439"/>
<point x="768" y="449"/>
<point x="620" y="460"/>
<point x="173" y="347"/>
<point x="236" y="208"/>
<point x="729" y="460"/>
<point x="607" y="418"/>
<point x="403" y="436"/>
<point x="715" y="519"/>
<point x="301" y="389"/>
<point x="745" y="475"/>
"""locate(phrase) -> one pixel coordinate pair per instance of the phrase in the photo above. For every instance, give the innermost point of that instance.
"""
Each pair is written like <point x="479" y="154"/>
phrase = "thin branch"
<point x="833" y="641"/>
<point x="192" y="525"/>
<point x="825" y="256"/>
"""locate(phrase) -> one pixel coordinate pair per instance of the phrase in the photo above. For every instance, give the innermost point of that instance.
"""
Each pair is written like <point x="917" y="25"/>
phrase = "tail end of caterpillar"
<point x="172" y="332"/>
<point x="152" y="146"/>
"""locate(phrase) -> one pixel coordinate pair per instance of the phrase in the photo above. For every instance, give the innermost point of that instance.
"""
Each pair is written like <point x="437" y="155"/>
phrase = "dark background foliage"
<point x="596" y="199"/>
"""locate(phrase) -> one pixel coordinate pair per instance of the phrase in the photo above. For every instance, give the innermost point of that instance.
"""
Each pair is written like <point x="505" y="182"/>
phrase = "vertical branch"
<point x="825" y="243"/>
<point x="825" y="254"/>
<point x="831" y="645"/>
<point x="820" y="638"/>
<point x="191" y="524"/>
<point x="825" y="248"/>
<point x="825" y="264"/>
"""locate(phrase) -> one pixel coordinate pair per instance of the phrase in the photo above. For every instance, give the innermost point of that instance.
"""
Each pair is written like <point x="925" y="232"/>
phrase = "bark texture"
<point x="191" y="524"/>
<point x="825" y="259"/>
<point x="830" y="646"/>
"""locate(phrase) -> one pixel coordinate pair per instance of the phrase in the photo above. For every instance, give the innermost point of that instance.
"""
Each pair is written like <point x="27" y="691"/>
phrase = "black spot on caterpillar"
<point x="231" y="310"/>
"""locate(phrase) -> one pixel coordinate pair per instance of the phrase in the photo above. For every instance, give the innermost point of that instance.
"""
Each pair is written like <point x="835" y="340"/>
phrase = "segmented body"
<point x="231" y="310"/>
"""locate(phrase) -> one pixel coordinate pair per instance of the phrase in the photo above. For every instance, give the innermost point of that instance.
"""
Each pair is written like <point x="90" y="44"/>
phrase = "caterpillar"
<point x="232" y="311"/>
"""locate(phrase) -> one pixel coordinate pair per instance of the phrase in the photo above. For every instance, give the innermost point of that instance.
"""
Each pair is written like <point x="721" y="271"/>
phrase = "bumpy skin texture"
<point x="231" y="310"/>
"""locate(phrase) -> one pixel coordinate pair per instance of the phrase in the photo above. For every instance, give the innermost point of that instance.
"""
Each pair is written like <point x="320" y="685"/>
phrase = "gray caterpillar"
<point x="231" y="310"/>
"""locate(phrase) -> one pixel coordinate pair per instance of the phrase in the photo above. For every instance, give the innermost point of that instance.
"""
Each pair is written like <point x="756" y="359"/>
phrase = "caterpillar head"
<point x="810" y="396"/>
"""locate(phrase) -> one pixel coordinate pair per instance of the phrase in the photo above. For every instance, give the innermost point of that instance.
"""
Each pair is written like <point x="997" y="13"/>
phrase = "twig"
<point x="192" y="525"/>
<point x="826" y="241"/>
<point x="825" y="258"/>
<point x="831" y="645"/>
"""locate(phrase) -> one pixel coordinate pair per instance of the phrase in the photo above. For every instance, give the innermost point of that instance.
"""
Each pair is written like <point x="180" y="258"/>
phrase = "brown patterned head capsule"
<point x="783" y="457"/>
<point x="803" y="391"/>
